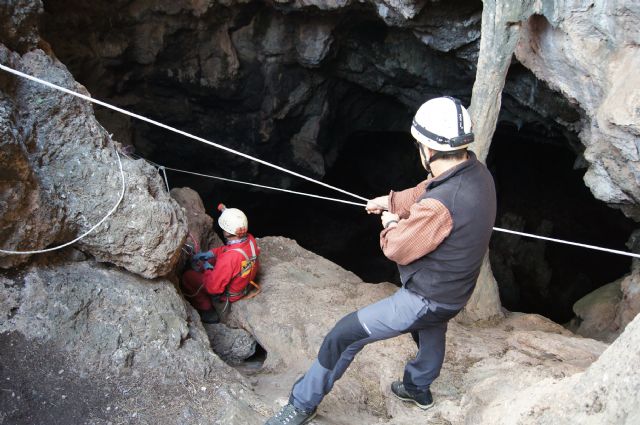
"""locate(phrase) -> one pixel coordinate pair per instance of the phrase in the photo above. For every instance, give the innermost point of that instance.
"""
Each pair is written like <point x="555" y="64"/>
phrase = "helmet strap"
<point x="426" y="161"/>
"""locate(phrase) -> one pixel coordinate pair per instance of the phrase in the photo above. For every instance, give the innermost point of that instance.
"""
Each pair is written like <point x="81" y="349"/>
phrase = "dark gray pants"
<point x="400" y="313"/>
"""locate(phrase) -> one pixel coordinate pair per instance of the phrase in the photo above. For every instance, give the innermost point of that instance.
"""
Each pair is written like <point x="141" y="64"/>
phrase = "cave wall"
<point x="61" y="174"/>
<point x="288" y="82"/>
<point x="589" y="52"/>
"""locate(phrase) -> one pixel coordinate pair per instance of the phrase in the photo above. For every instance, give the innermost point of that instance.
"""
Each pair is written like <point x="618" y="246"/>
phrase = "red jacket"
<point x="228" y="265"/>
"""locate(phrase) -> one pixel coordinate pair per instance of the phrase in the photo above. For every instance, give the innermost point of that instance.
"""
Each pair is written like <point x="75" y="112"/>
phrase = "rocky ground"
<point x="84" y="343"/>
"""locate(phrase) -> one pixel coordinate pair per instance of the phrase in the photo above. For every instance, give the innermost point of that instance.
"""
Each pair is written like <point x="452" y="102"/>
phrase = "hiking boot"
<point x="423" y="400"/>
<point x="291" y="415"/>
<point x="209" y="316"/>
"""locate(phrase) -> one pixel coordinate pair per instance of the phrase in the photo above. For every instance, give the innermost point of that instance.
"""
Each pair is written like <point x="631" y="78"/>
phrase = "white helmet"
<point x="442" y="124"/>
<point x="233" y="221"/>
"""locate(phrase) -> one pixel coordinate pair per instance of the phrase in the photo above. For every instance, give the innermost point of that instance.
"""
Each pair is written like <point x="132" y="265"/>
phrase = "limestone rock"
<point x="130" y="349"/>
<point x="200" y="224"/>
<point x="629" y="306"/>
<point x="124" y="319"/>
<point x="313" y="42"/>
<point x="232" y="345"/>
<point x="597" y="312"/>
<point x="590" y="54"/>
<point x="604" y="313"/>
<point x="608" y="392"/>
<point x="63" y="177"/>
<point x="19" y="24"/>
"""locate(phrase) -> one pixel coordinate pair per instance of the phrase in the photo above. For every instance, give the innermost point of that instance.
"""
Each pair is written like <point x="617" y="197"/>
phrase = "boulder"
<point x="232" y="345"/>
<point x="62" y="176"/>
<point x="608" y="392"/>
<point x="199" y="223"/>
<point x="83" y="340"/>
<point x="597" y="311"/>
<point x="604" y="313"/>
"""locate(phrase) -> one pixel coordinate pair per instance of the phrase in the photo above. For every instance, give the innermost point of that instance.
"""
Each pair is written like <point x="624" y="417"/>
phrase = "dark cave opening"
<point x="540" y="190"/>
<point x="361" y="144"/>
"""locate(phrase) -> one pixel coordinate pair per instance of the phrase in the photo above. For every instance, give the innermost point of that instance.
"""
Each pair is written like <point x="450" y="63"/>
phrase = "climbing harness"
<point x="462" y="138"/>
<point x="246" y="268"/>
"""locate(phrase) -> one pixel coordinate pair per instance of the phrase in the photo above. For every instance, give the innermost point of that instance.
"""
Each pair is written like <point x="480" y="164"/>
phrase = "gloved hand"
<point x="207" y="266"/>
<point x="198" y="259"/>
<point x="202" y="256"/>
<point x="377" y="205"/>
<point x="389" y="219"/>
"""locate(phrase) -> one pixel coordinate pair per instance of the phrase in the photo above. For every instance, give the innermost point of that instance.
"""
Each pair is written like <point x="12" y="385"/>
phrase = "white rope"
<point x="266" y="187"/>
<point x="85" y="233"/>
<point x="277" y="167"/>
<point x="175" y="130"/>
<point x="166" y="181"/>
<point x="497" y="229"/>
<point x="597" y="248"/>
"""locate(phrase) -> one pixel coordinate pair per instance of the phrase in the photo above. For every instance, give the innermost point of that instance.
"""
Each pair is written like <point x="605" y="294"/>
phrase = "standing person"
<point x="225" y="273"/>
<point x="438" y="233"/>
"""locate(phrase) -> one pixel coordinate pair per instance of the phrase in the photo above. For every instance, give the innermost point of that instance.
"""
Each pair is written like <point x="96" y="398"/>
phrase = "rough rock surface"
<point x="232" y="345"/>
<point x="604" y="313"/>
<point x="629" y="306"/>
<point x="597" y="310"/>
<point x="608" y="392"/>
<point x="19" y="24"/>
<point x="61" y="176"/>
<point x="118" y="348"/>
<point x="304" y="295"/>
<point x="132" y="348"/>
<point x="200" y="224"/>
<point x="273" y="79"/>
<point x="590" y="55"/>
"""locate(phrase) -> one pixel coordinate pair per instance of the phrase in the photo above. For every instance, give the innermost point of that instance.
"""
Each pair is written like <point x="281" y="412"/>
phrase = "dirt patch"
<point x="38" y="387"/>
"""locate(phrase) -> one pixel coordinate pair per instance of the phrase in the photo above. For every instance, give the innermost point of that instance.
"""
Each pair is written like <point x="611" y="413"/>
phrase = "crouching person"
<point x="225" y="274"/>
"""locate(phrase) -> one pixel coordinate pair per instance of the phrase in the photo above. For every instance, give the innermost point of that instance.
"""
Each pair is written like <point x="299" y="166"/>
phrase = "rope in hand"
<point x="277" y="167"/>
<point x="497" y="229"/>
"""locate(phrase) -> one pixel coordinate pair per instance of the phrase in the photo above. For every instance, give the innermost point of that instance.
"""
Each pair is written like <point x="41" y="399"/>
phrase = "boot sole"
<point x="421" y="406"/>
<point x="310" y="418"/>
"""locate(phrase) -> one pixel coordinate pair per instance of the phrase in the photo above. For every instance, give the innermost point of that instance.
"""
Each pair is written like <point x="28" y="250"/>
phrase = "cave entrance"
<point x="369" y="164"/>
<point x="540" y="190"/>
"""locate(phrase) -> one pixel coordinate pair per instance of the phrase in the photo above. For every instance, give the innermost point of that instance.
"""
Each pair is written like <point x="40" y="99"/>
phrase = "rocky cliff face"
<point x="61" y="173"/>
<point x="589" y="53"/>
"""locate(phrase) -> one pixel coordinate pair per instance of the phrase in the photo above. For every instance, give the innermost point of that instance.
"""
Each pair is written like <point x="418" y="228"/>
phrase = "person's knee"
<point x="347" y="331"/>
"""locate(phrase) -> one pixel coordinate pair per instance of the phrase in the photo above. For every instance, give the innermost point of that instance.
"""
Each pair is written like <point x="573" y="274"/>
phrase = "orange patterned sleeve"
<point x="426" y="225"/>
<point x="400" y="202"/>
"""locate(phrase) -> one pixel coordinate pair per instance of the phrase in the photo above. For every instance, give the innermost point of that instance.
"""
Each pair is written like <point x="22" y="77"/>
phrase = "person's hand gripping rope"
<point x="380" y="205"/>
